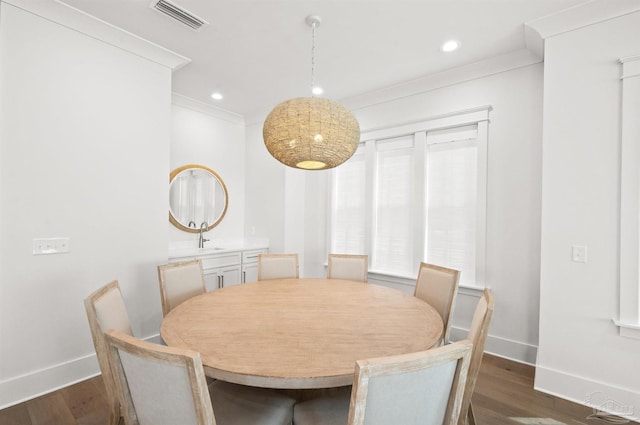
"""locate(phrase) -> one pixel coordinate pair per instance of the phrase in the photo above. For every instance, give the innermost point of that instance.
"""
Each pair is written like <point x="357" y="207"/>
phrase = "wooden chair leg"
<point x="471" y="417"/>
<point x="115" y="418"/>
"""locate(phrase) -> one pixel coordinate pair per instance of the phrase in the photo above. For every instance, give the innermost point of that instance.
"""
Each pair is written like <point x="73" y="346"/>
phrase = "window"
<point x="416" y="193"/>
<point x="393" y="206"/>
<point x="629" y="320"/>
<point x="451" y="191"/>
<point x="348" y="199"/>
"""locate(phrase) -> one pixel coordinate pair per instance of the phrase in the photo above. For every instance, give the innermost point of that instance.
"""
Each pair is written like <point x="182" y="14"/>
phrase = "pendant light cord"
<point x="313" y="54"/>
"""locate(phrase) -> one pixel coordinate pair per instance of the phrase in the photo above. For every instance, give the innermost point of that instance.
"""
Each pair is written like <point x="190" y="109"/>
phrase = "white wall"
<point x="264" y="192"/>
<point x="201" y="134"/>
<point x="84" y="154"/>
<point x="580" y="350"/>
<point x="513" y="193"/>
<point x="286" y="205"/>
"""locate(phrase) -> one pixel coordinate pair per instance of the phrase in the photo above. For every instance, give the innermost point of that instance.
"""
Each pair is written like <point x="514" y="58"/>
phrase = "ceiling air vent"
<point x="179" y="14"/>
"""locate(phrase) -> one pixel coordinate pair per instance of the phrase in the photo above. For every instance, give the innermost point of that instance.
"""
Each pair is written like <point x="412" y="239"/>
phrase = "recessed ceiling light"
<point x="450" y="46"/>
<point x="216" y="96"/>
<point x="317" y="90"/>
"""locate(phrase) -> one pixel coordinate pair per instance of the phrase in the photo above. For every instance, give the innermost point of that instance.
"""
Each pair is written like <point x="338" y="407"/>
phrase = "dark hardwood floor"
<point x="504" y="396"/>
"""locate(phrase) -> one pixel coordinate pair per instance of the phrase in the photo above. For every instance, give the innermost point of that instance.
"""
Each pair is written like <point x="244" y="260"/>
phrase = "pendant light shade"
<point x="308" y="132"/>
<point x="311" y="133"/>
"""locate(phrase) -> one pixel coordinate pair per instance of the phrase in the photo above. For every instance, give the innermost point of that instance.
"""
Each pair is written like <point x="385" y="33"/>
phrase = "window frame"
<point x="479" y="117"/>
<point x="629" y="318"/>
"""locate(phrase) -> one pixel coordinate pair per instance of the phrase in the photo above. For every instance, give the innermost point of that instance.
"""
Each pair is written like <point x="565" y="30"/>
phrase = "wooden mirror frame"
<point x="216" y="177"/>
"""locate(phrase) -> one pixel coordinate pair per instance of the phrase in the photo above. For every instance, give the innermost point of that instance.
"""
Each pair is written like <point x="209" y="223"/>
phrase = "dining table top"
<point x="299" y="333"/>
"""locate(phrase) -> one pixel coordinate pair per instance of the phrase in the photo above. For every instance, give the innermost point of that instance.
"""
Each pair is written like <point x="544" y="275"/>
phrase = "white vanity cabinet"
<point x="225" y="267"/>
<point x="222" y="269"/>
<point x="250" y="265"/>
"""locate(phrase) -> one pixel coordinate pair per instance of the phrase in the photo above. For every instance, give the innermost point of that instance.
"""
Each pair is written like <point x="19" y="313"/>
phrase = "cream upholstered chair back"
<point x="349" y="267"/>
<point x="438" y="286"/>
<point x="106" y="310"/>
<point x="179" y="282"/>
<point x="278" y="266"/>
<point x="159" y="385"/>
<point x="424" y="388"/>
<point x="478" y="332"/>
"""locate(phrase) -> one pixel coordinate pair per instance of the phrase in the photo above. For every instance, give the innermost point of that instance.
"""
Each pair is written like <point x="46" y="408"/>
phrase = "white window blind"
<point x="348" y="190"/>
<point x="394" y="189"/>
<point x="416" y="192"/>
<point x="451" y="190"/>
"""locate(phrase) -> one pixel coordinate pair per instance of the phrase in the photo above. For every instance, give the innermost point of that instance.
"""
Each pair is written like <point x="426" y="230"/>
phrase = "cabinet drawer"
<point x="252" y="256"/>
<point x="220" y="260"/>
<point x="181" y="259"/>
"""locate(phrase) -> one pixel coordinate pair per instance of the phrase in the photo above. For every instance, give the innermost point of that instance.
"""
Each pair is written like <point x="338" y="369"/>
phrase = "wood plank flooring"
<point x="504" y="391"/>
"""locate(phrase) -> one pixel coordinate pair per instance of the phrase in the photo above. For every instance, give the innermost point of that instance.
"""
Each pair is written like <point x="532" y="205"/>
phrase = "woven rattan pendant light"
<point x="308" y="132"/>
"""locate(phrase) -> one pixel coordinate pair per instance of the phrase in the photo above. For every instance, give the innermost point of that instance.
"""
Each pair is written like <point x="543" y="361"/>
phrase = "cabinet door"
<point x="212" y="279"/>
<point x="230" y="276"/>
<point x="250" y="273"/>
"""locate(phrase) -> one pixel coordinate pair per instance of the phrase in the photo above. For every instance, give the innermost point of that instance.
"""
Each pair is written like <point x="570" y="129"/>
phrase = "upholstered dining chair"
<point x="423" y="388"/>
<point x="438" y="286"/>
<point x="277" y="266"/>
<point x="347" y="266"/>
<point x="161" y="385"/>
<point x="179" y="282"/>
<point x="106" y="310"/>
<point x="478" y="332"/>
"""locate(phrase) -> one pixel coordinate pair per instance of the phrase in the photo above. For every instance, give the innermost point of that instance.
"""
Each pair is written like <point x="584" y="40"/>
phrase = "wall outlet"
<point x="579" y="253"/>
<point x="44" y="246"/>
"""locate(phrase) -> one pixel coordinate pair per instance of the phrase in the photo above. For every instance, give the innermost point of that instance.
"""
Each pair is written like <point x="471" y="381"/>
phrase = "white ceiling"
<point x="257" y="53"/>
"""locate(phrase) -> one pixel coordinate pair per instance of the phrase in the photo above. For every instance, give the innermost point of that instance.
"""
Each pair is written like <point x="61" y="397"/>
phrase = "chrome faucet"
<point x="202" y="240"/>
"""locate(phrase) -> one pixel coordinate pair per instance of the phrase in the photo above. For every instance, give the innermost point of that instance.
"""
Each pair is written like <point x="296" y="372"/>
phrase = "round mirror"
<point x="197" y="198"/>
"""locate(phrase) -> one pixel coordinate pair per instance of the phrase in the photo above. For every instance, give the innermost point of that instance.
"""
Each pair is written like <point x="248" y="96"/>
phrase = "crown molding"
<point x="573" y="18"/>
<point x="495" y="65"/>
<point x="58" y="12"/>
<point x="195" y="105"/>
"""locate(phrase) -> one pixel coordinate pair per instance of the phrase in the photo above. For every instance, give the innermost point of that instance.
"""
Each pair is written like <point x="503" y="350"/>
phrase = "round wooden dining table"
<point x="299" y="333"/>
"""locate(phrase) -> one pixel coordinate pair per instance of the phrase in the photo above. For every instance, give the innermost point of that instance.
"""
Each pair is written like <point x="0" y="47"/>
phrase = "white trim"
<point x="581" y="390"/>
<point x="482" y="183"/>
<point x="67" y="16"/>
<point x="629" y="319"/>
<point x="383" y="277"/>
<point x="475" y="290"/>
<point x="580" y="16"/>
<point x="626" y="325"/>
<point x="533" y="41"/>
<point x="420" y="213"/>
<point x="628" y="330"/>
<point x="34" y="384"/>
<point x="18" y="389"/>
<point x="453" y="119"/>
<point x="518" y="351"/>
<point x="630" y="67"/>
<point x="458" y="75"/>
<point x="195" y="105"/>
<point x="410" y="281"/>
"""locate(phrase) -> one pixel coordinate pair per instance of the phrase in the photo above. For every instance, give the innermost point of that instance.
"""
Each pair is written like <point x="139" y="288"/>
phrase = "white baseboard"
<point x="513" y="350"/>
<point x="34" y="384"/>
<point x="603" y="398"/>
<point x="25" y="387"/>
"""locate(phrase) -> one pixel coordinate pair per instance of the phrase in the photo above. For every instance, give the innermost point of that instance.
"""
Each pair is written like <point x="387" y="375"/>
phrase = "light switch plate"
<point x="45" y="246"/>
